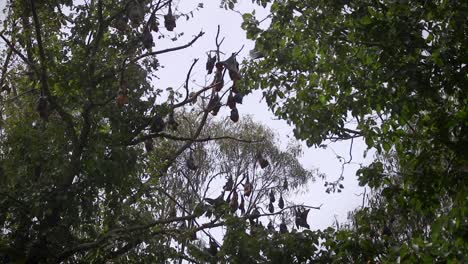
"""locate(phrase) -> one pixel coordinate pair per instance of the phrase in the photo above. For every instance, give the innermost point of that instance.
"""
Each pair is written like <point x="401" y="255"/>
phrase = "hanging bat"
<point x="234" y="115"/>
<point x="232" y="66"/>
<point x="281" y="202"/>
<point x="272" y="196"/>
<point x="171" y="122"/>
<point x="153" y="23"/>
<point x="301" y="217"/>
<point x="234" y="204"/>
<point x="241" y="206"/>
<point x="157" y="124"/>
<point x="271" y="208"/>
<point x="231" y="102"/>
<point x="283" y="228"/>
<point x="229" y="184"/>
<point x="270" y="227"/>
<point x="147" y="39"/>
<point x="248" y="187"/>
<point x="210" y="63"/>
<point x="43" y="108"/>
<point x="169" y="20"/>
<point x="263" y="162"/>
<point x="190" y="162"/>
<point x="238" y="98"/>
<point x="213" y="249"/>
<point x="149" y="145"/>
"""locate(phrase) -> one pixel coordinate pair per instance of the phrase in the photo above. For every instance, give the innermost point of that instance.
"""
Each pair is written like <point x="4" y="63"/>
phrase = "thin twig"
<point x="187" y="80"/>
<point x="351" y="151"/>
<point x="235" y="54"/>
<point x="364" y="197"/>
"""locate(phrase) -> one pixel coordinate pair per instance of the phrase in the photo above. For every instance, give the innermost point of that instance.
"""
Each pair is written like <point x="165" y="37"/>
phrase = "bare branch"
<point x="351" y="151"/>
<point x="218" y="44"/>
<point x="129" y="246"/>
<point x="237" y="53"/>
<point x="364" y="198"/>
<point x="187" y="80"/>
<point x="189" y="143"/>
<point x="204" y="89"/>
<point x="168" y="50"/>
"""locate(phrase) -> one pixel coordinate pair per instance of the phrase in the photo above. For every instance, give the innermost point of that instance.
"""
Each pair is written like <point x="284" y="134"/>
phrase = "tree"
<point x="97" y="163"/>
<point x="393" y="73"/>
<point x="235" y="164"/>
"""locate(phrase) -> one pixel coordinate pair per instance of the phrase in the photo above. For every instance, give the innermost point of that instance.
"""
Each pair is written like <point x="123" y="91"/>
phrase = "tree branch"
<point x="204" y="89"/>
<point x="67" y="118"/>
<point x="5" y="67"/>
<point x="42" y="58"/>
<point x="187" y="80"/>
<point x="17" y="52"/>
<point x="286" y="208"/>
<point x="218" y="44"/>
<point x="191" y="139"/>
<point x="168" y="50"/>
<point x="115" y="232"/>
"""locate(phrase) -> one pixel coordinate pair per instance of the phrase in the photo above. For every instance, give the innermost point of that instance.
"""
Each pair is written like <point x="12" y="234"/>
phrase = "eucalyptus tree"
<point x="223" y="182"/>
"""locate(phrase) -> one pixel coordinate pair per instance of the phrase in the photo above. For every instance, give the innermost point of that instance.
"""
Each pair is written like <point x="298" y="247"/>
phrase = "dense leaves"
<point x="97" y="163"/>
<point x="395" y="74"/>
<point x="360" y="61"/>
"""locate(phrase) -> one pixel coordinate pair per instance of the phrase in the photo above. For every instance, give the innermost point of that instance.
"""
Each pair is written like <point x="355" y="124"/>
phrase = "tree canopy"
<point x="100" y="164"/>
<point x="393" y="73"/>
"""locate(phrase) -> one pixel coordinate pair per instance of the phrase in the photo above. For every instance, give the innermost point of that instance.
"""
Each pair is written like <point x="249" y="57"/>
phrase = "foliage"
<point x="98" y="163"/>
<point x="192" y="192"/>
<point x="395" y="74"/>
